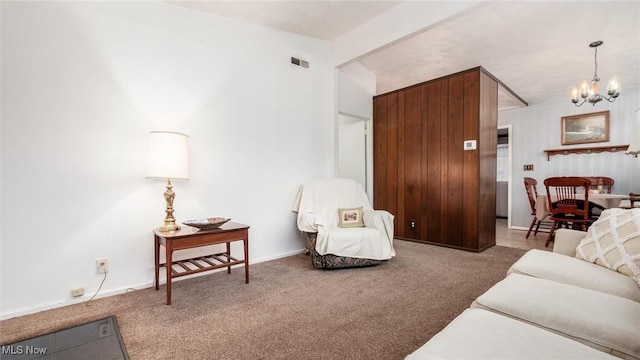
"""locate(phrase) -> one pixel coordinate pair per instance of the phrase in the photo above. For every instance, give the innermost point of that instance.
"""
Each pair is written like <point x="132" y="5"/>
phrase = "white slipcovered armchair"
<point x="364" y="239"/>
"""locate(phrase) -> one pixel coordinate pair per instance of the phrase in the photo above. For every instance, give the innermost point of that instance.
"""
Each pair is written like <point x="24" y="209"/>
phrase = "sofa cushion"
<point x="605" y="322"/>
<point x="613" y="241"/>
<point x="576" y="272"/>
<point x="487" y="335"/>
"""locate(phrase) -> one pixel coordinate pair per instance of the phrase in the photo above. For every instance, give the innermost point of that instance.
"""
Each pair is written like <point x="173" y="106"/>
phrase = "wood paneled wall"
<point x="438" y="192"/>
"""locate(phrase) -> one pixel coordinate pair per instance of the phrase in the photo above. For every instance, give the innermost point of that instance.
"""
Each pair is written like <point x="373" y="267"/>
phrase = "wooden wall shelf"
<point x="585" y="150"/>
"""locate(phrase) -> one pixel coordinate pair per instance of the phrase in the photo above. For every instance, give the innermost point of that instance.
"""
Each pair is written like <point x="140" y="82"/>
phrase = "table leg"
<point x="168" y="265"/>
<point x="246" y="256"/>
<point x="229" y="256"/>
<point x="157" y="259"/>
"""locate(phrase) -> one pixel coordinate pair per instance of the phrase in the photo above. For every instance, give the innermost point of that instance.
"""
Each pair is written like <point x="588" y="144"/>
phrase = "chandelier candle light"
<point x="590" y="93"/>
<point x="168" y="159"/>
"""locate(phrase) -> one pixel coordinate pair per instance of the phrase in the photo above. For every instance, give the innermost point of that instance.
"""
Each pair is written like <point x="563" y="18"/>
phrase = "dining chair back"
<point x="566" y="208"/>
<point x="601" y="183"/>
<point x="530" y="185"/>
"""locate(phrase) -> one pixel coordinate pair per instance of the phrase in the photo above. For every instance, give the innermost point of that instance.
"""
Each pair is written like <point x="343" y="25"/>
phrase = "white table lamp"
<point x="168" y="159"/>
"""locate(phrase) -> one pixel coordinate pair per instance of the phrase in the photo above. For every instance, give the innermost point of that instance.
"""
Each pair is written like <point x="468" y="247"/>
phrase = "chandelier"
<point x="590" y="93"/>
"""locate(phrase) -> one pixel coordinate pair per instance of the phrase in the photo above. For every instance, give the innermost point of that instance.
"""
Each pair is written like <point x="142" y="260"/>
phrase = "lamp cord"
<point x="97" y="291"/>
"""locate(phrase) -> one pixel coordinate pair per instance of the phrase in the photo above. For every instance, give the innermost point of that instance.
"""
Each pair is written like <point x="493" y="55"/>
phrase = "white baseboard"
<point x="519" y="228"/>
<point x="73" y="301"/>
<point x="279" y="256"/>
<point x="122" y="290"/>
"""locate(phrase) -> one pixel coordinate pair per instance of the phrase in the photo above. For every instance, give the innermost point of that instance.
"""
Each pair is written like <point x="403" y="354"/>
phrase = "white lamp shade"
<point x="168" y="156"/>
<point x="634" y="147"/>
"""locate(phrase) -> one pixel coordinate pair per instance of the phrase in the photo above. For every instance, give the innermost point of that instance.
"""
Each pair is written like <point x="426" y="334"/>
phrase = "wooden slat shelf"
<point x="224" y="259"/>
<point x="585" y="150"/>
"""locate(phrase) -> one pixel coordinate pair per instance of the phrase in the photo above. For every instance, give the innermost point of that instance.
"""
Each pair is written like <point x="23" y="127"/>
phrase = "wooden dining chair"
<point x="602" y="185"/>
<point x="566" y="209"/>
<point x="544" y="225"/>
<point x="634" y="201"/>
<point x="605" y="182"/>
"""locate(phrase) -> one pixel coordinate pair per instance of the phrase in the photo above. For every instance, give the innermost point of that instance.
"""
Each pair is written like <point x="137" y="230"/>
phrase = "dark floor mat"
<point x="97" y="340"/>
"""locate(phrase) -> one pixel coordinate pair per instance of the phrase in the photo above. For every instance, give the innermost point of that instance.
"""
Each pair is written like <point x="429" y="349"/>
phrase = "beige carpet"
<point x="290" y="310"/>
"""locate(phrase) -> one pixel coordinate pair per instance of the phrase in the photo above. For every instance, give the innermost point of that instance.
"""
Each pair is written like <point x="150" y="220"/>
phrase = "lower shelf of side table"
<point x="202" y="263"/>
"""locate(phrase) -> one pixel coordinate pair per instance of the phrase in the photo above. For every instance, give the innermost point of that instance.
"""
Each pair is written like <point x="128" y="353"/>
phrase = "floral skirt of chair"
<point x="330" y="261"/>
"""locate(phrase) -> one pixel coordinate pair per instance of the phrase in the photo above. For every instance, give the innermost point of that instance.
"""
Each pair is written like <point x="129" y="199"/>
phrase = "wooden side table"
<point x="188" y="237"/>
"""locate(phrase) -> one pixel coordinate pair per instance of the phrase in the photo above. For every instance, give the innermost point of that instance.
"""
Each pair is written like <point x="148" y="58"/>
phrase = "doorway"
<point x="503" y="176"/>
<point x="352" y="148"/>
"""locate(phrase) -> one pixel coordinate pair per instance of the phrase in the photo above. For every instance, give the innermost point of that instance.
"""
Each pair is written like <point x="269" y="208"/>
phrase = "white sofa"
<point x="551" y="305"/>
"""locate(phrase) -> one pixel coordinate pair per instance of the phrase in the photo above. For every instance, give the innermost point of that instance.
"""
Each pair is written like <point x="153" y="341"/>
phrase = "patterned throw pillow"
<point x="350" y="217"/>
<point x="613" y="241"/>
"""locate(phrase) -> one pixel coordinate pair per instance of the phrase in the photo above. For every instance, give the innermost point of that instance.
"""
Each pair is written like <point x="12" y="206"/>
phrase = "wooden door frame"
<point x="509" y="171"/>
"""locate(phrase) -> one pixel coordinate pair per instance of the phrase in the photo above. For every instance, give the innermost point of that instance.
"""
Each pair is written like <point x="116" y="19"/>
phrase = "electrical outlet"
<point x="77" y="292"/>
<point x="528" y="167"/>
<point x="102" y="266"/>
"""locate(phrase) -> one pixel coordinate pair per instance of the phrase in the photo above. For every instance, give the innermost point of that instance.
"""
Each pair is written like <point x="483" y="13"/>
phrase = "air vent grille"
<point x="299" y="62"/>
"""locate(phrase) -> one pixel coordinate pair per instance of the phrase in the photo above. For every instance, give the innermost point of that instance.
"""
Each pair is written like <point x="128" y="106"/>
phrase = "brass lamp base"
<point x="169" y="228"/>
<point x="169" y="221"/>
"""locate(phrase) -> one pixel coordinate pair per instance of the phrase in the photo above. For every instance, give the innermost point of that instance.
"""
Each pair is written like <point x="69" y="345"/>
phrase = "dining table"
<point x="603" y="201"/>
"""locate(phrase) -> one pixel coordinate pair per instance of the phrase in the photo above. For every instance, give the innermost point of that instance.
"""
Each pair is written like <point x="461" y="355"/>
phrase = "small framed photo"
<point x="585" y="128"/>
<point x="350" y="217"/>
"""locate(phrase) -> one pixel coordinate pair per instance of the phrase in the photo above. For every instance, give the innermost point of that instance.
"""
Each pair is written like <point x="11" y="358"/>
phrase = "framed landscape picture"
<point x="585" y="128"/>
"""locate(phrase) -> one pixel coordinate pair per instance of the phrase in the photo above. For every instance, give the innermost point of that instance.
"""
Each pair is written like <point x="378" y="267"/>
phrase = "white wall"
<point x="82" y="86"/>
<point x="537" y="127"/>
<point x="352" y="157"/>
<point x="357" y="88"/>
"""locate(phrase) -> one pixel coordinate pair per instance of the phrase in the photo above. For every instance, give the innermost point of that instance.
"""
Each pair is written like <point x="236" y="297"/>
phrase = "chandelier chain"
<point x="595" y="61"/>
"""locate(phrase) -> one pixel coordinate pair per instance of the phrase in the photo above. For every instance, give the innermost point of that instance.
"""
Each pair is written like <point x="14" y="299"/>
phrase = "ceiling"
<point x="538" y="49"/>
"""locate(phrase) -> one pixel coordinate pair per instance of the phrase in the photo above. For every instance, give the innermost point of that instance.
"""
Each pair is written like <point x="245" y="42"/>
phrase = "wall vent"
<point x="299" y="62"/>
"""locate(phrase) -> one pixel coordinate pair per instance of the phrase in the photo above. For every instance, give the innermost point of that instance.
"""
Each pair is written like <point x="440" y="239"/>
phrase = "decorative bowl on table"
<point x="206" y="223"/>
